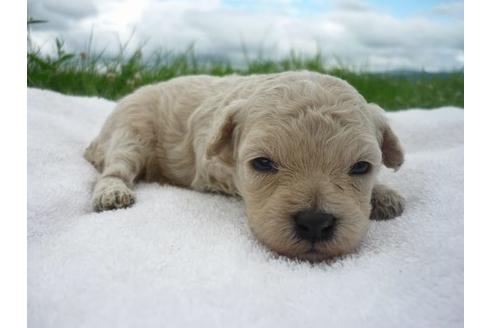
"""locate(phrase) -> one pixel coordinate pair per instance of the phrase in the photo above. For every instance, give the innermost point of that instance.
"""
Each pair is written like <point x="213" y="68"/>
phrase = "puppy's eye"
<point x="263" y="164"/>
<point x="360" y="168"/>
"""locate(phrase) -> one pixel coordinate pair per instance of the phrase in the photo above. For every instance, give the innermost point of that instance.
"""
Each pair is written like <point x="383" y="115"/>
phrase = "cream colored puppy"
<point x="302" y="149"/>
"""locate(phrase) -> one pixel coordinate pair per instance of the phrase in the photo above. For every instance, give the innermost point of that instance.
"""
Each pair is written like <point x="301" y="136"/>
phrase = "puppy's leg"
<point x="124" y="160"/>
<point x="386" y="203"/>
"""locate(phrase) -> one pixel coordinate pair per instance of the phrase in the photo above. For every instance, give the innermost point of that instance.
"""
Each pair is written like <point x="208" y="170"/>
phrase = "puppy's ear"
<point x="393" y="156"/>
<point x="223" y="137"/>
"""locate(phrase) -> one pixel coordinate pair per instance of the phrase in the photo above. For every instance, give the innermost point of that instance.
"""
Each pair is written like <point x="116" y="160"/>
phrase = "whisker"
<point x="355" y="187"/>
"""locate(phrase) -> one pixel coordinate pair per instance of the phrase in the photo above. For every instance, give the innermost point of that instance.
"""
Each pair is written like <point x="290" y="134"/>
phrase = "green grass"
<point x="94" y="74"/>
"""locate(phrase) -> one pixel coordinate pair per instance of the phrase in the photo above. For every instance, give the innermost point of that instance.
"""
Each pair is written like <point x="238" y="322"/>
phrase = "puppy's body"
<point x="204" y="132"/>
<point x="157" y="126"/>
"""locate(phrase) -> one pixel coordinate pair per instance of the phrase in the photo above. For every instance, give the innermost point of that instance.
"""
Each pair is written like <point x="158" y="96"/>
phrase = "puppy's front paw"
<point x="386" y="203"/>
<point x="112" y="193"/>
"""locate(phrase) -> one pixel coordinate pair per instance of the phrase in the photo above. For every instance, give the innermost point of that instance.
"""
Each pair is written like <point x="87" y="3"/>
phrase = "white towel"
<point x="180" y="258"/>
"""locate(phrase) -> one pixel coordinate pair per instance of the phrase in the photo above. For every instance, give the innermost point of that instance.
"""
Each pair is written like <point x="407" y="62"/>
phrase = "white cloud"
<point x="451" y="9"/>
<point x="69" y="8"/>
<point x="355" y="32"/>
<point x="61" y="13"/>
<point x="352" y="5"/>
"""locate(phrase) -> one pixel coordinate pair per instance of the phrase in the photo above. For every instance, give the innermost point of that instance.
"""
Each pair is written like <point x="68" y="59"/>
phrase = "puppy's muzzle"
<point x="314" y="225"/>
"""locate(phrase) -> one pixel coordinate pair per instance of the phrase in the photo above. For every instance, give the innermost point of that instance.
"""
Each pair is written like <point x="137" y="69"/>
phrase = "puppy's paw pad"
<point x="112" y="196"/>
<point x="386" y="204"/>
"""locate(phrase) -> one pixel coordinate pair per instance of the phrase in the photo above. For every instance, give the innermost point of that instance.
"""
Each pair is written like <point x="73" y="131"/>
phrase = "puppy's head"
<point x="305" y="162"/>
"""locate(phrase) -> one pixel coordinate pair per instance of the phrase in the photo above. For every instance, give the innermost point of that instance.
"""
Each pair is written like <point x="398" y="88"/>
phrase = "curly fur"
<point x="202" y="132"/>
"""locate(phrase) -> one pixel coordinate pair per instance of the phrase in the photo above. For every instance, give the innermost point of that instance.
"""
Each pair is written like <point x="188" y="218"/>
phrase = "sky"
<point x="375" y="35"/>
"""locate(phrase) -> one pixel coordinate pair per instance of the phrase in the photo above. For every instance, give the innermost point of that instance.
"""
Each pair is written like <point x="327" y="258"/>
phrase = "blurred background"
<point x="399" y="54"/>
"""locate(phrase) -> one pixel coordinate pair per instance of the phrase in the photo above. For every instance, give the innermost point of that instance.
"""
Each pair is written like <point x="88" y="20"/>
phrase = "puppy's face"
<point x="306" y="176"/>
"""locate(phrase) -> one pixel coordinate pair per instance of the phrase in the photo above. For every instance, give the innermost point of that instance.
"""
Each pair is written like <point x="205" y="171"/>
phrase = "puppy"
<point x="302" y="149"/>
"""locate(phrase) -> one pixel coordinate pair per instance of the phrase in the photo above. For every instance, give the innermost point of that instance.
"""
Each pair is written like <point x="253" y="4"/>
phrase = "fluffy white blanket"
<point x="181" y="258"/>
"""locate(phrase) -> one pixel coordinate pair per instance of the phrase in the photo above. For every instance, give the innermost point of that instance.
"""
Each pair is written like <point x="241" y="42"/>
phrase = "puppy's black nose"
<point x="314" y="225"/>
